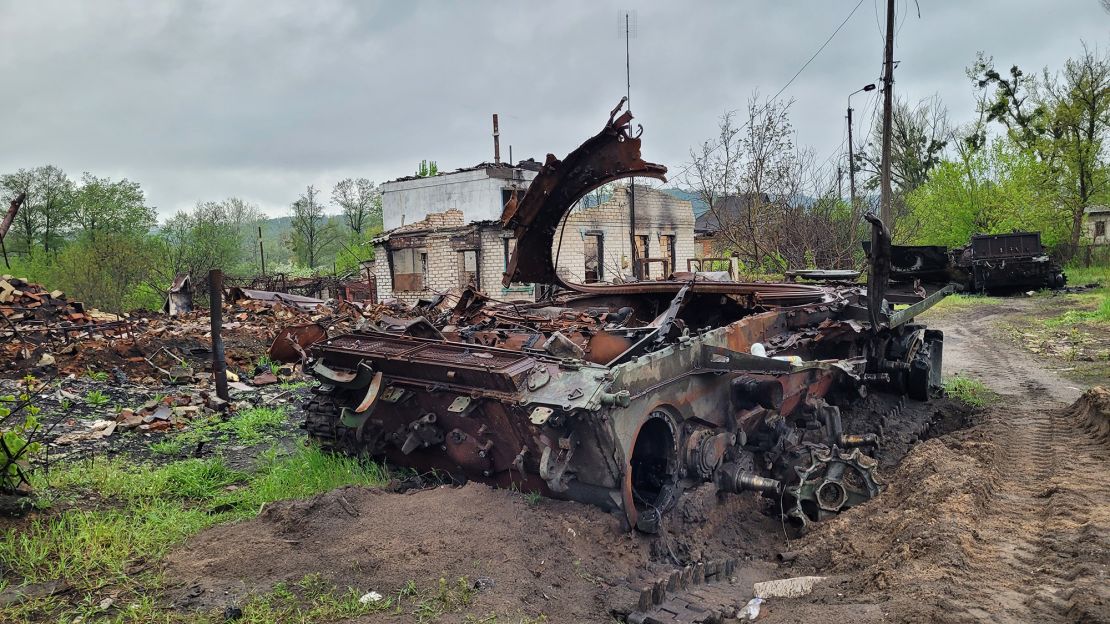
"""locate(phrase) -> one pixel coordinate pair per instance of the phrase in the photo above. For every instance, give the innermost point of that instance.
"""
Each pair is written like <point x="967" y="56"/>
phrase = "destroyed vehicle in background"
<point x="623" y="396"/>
<point x="999" y="262"/>
<point x="989" y="263"/>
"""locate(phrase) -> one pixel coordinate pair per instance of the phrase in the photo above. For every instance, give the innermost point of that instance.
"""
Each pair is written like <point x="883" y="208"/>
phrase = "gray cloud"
<point x="202" y="100"/>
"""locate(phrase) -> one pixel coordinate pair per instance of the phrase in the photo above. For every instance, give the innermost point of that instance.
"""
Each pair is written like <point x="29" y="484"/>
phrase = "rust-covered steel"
<point x="624" y="396"/>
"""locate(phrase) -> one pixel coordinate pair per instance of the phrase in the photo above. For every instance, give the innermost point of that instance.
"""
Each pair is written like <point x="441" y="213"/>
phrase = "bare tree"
<point x="312" y="232"/>
<point x="361" y="202"/>
<point x="744" y="177"/>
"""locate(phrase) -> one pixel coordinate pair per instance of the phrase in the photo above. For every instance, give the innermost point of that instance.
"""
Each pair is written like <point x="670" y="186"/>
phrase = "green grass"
<point x="96" y="398"/>
<point x="251" y="426"/>
<point x="970" y="391"/>
<point x="97" y="375"/>
<point x="959" y="302"/>
<point x="1081" y="276"/>
<point x="254" y="425"/>
<point x="142" y="511"/>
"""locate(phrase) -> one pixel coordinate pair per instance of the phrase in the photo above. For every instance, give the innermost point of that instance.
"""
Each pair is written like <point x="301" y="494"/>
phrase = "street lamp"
<point x="851" y="157"/>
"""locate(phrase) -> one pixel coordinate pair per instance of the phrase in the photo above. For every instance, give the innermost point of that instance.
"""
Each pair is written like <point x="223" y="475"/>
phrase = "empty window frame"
<point x="594" y="257"/>
<point x="468" y="269"/>
<point x="1100" y="228"/>
<point x="666" y="248"/>
<point x="409" y="269"/>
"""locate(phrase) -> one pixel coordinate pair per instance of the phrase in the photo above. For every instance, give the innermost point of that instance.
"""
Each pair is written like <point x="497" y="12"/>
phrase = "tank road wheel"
<point x="830" y="481"/>
<point x="650" y="483"/>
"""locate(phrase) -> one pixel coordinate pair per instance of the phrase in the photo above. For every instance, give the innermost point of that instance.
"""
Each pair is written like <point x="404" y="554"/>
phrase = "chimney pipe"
<point x="496" y="142"/>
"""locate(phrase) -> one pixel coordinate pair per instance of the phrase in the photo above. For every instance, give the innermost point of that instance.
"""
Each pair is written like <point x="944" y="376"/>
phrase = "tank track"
<point x="322" y="425"/>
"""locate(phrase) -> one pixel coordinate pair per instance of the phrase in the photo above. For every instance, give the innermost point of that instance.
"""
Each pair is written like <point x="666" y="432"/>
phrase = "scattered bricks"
<point x="264" y="379"/>
<point x="130" y="421"/>
<point x="186" y="411"/>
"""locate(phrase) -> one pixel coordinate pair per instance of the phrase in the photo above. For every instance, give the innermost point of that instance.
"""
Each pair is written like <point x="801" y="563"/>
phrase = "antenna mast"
<point x="631" y="181"/>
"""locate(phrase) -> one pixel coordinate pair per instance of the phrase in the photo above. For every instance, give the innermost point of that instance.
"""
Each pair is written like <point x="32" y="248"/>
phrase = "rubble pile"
<point x="42" y="332"/>
<point x="28" y="309"/>
<point x="172" y="412"/>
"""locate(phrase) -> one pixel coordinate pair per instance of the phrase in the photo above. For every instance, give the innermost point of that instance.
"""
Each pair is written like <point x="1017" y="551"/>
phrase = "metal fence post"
<point x="215" y="312"/>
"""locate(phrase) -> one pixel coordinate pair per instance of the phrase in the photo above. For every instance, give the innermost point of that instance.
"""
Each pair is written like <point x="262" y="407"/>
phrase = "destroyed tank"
<point x="626" y="395"/>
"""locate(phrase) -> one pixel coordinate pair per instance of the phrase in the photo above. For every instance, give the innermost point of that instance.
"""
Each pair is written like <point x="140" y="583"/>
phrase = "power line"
<point x="686" y="169"/>
<point x="799" y="72"/>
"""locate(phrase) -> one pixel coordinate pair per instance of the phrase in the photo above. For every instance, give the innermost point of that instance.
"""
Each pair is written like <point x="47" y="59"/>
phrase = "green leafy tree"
<point x="115" y="271"/>
<point x="27" y="226"/>
<point x="361" y="202"/>
<point x="101" y="205"/>
<point x="1063" y="119"/>
<point x="210" y="236"/>
<point x="54" y="194"/>
<point x="994" y="190"/>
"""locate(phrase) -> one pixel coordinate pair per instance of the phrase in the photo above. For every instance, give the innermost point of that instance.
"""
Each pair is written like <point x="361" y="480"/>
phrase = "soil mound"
<point x="567" y="560"/>
<point x="1007" y="521"/>
<point x="1093" y="411"/>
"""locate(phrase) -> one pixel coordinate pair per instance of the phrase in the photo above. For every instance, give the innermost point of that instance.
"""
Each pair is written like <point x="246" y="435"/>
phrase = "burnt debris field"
<point x="690" y="448"/>
<point x="830" y="364"/>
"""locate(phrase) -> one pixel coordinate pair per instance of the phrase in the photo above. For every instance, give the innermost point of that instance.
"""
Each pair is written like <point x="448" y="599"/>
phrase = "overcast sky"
<point x="205" y="100"/>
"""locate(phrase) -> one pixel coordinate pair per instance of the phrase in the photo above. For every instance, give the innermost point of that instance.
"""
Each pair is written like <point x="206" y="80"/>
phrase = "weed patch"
<point x="151" y="509"/>
<point x="970" y="391"/>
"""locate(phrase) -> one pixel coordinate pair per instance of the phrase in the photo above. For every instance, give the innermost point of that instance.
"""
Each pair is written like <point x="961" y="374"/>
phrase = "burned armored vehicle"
<point x="625" y="395"/>
<point x="995" y="263"/>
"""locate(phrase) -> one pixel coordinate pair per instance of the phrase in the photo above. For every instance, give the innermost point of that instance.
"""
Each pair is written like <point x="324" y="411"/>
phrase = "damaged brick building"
<point x="459" y="241"/>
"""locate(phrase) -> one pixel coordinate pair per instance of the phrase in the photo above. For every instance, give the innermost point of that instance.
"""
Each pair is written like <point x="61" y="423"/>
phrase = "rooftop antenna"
<point x="628" y="28"/>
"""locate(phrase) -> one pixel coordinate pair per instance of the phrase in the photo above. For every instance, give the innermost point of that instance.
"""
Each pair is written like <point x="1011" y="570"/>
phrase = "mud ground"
<point x="997" y="516"/>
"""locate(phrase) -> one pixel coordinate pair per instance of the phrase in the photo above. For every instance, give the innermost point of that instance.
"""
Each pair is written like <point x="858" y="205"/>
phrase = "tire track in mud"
<point x="1045" y="496"/>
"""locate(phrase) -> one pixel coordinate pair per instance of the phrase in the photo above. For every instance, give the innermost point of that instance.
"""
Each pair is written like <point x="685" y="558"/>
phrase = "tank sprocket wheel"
<point x="830" y="480"/>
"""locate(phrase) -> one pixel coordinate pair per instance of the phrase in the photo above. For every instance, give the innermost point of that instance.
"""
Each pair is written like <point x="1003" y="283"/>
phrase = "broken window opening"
<point x="594" y="257"/>
<point x="667" y="252"/>
<point x="468" y="269"/>
<point x="409" y="269"/>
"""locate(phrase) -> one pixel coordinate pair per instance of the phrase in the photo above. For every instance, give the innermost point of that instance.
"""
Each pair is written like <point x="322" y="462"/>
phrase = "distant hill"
<point x="700" y="206"/>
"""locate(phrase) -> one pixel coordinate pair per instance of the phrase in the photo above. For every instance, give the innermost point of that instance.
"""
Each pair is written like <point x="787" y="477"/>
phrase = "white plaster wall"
<point x="476" y="194"/>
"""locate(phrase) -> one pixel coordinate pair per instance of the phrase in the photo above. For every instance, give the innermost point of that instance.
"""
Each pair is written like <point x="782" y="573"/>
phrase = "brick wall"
<point x="657" y="214"/>
<point x="442" y="268"/>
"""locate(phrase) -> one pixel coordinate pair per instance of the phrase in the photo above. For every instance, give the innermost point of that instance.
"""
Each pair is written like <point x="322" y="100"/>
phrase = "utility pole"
<point x="886" y="212"/>
<point x="839" y="183"/>
<point x="261" y="251"/>
<point x="631" y="181"/>
<point x="851" y="164"/>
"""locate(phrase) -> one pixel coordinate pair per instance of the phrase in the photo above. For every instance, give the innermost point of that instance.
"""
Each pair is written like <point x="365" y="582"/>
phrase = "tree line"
<point x="100" y="240"/>
<point x="1034" y="157"/>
